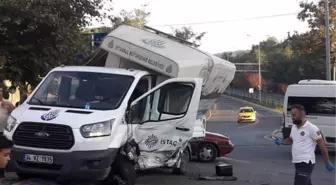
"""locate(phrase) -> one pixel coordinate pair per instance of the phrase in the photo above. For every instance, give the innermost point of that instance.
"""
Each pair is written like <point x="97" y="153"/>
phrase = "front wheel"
<point x="122" y="172"/>
<point x="207" y="153"/>
<point x="183" y="165"/>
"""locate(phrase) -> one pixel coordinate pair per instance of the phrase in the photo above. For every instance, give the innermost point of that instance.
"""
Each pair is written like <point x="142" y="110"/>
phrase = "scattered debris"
<point x="214" y="178"/>
<point x="223" y="169"/>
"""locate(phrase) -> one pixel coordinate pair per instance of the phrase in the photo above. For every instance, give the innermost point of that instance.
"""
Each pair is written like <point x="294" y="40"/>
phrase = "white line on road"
<point x="209" y="115"/>
<point x="236" y="160"/>
<point x="268" y="137"/>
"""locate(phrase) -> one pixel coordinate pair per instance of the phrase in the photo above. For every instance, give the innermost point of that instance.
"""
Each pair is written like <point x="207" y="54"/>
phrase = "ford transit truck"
<point x="136" y="111"/>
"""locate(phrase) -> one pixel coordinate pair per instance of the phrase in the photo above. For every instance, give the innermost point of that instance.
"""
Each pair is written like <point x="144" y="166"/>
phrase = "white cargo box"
<point x="157" y="53"/>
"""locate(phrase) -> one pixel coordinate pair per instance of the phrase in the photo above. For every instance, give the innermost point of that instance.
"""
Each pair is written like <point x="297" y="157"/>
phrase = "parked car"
<point x="212" y="146"/>
<point x="247" y="114"/>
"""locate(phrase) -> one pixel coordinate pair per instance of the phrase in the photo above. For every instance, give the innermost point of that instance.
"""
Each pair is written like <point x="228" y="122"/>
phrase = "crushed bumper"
<point x="79" y="165"/>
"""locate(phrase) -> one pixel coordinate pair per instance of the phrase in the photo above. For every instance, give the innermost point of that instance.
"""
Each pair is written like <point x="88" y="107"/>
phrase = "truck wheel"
<point x="206" y="152"/>
<point x="122" y="172"/>
<point x="183" y="165"/>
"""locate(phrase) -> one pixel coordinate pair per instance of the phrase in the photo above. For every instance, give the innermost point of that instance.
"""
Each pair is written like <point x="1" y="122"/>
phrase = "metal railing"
<point x="269" y="99"/>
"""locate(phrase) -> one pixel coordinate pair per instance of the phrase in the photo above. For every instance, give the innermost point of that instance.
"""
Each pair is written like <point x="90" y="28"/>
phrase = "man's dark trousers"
<point x="303" y="173"/>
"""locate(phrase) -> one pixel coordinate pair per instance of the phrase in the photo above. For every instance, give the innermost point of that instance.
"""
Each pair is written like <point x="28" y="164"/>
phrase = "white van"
<point x="138" y="110"/>
<point x="319" y="99"/>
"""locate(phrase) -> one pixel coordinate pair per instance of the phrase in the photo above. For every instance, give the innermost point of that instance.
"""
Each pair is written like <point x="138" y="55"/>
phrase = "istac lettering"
<point x="168" y="142"/>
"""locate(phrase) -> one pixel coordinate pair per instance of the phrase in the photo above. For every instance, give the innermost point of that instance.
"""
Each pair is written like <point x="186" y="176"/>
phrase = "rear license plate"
<point x="39" y="158"/>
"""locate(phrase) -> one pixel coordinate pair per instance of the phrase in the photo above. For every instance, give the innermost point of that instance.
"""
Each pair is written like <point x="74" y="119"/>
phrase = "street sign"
<point x="98" y="39"/>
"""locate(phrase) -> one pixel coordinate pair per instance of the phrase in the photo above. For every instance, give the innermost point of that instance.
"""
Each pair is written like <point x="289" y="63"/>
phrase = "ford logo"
<point x="50" y="115"/>
<point x="42" y="134"/>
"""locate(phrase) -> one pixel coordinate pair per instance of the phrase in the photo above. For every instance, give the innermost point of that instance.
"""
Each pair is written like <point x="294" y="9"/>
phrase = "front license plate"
<point x="39" y="158"/>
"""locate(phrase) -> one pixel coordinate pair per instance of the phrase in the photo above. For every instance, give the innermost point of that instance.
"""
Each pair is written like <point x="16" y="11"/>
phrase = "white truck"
<point x="138" y="111"/>
<point x="319" y="99"/>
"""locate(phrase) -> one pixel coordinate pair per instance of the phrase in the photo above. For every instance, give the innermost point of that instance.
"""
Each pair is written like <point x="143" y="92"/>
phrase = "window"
<point x="175" y="99"/>
<point x="77" y="89"/>
<point x="140" y="89"/>
<point x="246" y="110"/>
<point x="315" y="105"/>
<point x="52" y="90"/>
<point x="171" y="101"/>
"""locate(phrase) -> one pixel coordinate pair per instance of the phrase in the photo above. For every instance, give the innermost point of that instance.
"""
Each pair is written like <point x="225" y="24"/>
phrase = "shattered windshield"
<point x="86" y="90"/>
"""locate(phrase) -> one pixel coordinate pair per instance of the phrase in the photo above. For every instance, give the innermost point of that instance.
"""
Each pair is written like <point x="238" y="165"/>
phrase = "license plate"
<point x="39" y="158"/>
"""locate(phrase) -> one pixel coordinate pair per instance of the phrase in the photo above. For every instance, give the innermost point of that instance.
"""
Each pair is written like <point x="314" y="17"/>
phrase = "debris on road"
<point x="214" y="178"/>
<point x="223" y="169"/>
<point x="224" y="172"/>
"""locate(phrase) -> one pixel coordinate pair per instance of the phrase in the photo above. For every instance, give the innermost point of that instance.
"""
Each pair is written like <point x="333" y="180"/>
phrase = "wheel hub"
<point x="206" y="153"/>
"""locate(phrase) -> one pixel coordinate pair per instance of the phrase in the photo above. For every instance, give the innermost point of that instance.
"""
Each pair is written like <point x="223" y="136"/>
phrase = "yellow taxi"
<point x="247" y="114"/>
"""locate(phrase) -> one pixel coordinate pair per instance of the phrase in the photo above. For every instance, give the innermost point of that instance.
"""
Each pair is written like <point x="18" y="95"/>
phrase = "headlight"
<point x="11" y="122"/>
<point x="97" y="129"/>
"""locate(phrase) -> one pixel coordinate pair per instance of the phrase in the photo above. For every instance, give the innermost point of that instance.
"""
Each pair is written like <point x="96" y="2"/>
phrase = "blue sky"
<point x="226" y="36"/>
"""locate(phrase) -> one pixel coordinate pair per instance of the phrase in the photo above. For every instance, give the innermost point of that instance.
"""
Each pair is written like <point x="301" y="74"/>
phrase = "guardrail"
<point x="268" y="99"/>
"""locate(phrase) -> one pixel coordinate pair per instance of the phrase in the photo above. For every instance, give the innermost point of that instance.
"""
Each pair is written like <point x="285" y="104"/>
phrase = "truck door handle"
<point x="182" y="129"/>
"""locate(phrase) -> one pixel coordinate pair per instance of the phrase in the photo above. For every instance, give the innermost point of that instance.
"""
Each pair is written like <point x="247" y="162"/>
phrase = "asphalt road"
<point x="256" y="159"/>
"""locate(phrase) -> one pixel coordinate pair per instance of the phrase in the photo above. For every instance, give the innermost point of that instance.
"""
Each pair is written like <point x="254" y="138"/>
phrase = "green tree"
<point x="138" y="17"/>
<point x="314" y="14"/>
<point x="187" y="33"/>
<point x="37" y="35"/>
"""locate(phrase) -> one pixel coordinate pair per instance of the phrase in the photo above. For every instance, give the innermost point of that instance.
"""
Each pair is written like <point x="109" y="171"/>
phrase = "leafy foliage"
<point x="186" y="33"/>
<point x="37" y="35"/>
<point x="299" y="56"/>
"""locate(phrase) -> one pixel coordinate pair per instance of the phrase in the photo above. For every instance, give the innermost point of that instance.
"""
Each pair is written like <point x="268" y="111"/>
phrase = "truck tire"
<point x="122" y="172"/>
<point x="206" y="152"/>
<point x="183" y="165"/>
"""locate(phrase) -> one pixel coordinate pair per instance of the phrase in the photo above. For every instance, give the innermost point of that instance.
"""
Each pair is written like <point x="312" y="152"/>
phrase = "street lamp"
<point x="259" y="70"/>
<point x="327" y="32"/>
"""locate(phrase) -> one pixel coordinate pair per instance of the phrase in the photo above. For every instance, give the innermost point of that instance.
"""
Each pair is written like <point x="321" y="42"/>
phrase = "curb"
<point x="257" y="105"/>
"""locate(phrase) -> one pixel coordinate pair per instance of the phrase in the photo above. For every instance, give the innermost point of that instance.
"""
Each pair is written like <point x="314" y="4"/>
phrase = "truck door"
<point x="166" y="125"/>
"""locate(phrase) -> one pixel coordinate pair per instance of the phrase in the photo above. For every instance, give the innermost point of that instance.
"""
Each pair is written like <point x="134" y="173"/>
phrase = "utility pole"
<point x="327" y="33"/>
<point x="259" y="70"/>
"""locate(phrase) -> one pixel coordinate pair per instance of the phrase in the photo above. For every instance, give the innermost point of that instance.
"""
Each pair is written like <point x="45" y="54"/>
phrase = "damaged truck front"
<point x="138" y="111"/>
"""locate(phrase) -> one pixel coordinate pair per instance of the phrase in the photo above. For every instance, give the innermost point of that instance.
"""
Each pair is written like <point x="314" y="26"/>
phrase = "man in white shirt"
<point x="304" y="136"/>
<point x="6" y="107"/>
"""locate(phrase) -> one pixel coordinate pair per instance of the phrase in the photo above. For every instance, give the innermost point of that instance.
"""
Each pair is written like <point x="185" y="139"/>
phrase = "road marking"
<point x="209" y="115"/>
<point x="268" y="137"/>
<point x="235" y="160"/>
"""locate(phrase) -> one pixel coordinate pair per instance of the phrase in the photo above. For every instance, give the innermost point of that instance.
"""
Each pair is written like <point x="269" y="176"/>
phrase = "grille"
<point x="59" y="136"/>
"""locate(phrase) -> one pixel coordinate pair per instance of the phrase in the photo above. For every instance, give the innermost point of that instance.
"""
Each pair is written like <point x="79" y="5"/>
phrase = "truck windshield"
<point x="83" y="90"/>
